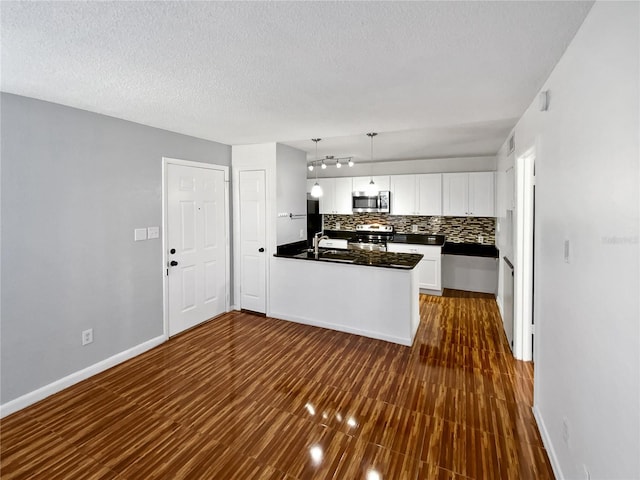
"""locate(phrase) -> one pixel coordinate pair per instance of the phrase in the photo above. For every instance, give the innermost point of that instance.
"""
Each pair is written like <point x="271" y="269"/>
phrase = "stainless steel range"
<point x="372" y="237"/>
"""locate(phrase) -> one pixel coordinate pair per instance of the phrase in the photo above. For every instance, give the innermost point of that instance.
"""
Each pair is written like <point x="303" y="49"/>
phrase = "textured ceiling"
<point x="437" y="79"/>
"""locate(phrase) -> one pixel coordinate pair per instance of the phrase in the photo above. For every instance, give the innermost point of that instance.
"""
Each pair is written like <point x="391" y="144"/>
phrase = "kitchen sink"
<point x="327" y="255"/>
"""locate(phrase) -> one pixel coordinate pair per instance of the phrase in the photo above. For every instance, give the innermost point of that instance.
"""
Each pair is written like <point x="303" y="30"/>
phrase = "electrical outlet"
<point x="301" y="233"/>
<point x="480" y="238"/>
<point x="87" y="337"/>
<point x="337" y="225"/>
<point x="414" y="228"/>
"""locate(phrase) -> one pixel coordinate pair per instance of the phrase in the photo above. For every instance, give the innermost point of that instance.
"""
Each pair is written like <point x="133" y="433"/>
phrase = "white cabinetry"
<point x="334" y="243"/>
<point x="361" y="184"/>
<point x="336" y="195"/>
<point x="429" y="268"/>
<point x="416" y="194"/>
<point x="468" y="194"/>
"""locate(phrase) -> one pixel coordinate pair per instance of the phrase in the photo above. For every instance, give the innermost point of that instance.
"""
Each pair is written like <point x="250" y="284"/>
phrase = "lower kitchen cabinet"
<point x="334" y="243"/>
<point x="430" y="267"/>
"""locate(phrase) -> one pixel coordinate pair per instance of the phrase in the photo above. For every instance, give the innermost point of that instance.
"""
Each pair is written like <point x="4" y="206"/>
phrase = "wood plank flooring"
<point x="248" y="397"/>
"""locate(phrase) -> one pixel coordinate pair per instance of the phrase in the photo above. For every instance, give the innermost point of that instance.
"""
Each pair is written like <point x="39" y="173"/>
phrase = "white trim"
<point x="548" y="445"/>
<point x="433" y="293"/>
<point x="227" y="219"/>
<point x="523" y="285"/>
<point x="500" y="309"/>
<point x="342" y="328"/>
<point x="76" y="377"/>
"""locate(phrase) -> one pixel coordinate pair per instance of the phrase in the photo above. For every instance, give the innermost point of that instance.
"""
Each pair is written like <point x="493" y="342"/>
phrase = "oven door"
<point x="361" y="202"/>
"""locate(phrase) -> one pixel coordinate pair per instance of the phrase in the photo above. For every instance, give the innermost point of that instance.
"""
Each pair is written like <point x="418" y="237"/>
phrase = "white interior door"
<point x="196" y="244"/>
<point x="252" y="240"/>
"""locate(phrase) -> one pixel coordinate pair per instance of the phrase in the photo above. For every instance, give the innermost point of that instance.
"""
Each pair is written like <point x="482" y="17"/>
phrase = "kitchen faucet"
<point x="316" y="241"/>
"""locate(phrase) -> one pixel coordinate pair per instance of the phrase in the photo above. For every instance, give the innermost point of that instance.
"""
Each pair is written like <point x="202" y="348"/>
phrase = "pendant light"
<point x="372" y="189"/>
<point x="316" y="190"/>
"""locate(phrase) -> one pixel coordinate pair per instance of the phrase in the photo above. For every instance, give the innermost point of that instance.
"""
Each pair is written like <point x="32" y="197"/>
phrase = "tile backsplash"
<point x="456" y="229"/>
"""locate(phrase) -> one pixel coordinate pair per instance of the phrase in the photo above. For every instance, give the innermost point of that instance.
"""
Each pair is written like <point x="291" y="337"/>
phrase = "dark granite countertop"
<point x="470" y="249"/>
<point x="418" y="239"/>
<point x="403" y="261"/>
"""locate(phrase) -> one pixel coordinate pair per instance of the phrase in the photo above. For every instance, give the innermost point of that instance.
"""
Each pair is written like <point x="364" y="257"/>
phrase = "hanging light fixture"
<point x="350" y="162"/>
<point x="338" y="164"/>
<point x="316" y="190"/>
<point x="323" y="165"/>
<point x="372" y="188"/>
<point x="310" y="167"/>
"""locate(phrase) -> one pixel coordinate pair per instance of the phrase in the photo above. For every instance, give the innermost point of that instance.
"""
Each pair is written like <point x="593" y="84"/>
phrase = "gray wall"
<point x="74" y="186"/>
<point x="587" y="333"/>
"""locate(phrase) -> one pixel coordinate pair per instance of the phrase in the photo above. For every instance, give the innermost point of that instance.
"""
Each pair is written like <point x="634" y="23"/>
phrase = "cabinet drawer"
<point x="429" y="251"/>
<point x="333" y="243"/>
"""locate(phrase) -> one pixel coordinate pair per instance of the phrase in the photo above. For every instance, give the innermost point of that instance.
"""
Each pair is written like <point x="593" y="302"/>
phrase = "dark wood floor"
<point x="250" y="397"/>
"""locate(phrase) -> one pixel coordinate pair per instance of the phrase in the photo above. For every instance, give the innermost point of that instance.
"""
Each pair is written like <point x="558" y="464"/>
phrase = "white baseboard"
<point x="59" y="385"/>
<point x="342" y="328"/>
<point x="500" y="307"/>
<point x="548" y="445"/>
<point x="435" y="293"/>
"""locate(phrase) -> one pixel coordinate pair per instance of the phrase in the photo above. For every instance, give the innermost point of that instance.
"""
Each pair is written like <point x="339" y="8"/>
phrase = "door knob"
<point x="173" y="263"/>
<point x="261" y="249"/>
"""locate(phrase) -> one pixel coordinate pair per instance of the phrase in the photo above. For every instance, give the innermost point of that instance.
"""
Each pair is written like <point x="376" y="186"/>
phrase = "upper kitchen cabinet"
<point x="336" y="195"/>
<point x="468" y="194"/>
<point x="416" y="194"/>
<point x="361" y="184"/>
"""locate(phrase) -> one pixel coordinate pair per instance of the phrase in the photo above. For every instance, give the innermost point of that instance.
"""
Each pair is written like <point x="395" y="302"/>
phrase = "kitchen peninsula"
<point x="373" y="294"/>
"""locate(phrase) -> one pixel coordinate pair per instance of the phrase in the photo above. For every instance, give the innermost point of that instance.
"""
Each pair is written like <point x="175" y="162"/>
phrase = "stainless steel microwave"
<point x="366" y="202"/>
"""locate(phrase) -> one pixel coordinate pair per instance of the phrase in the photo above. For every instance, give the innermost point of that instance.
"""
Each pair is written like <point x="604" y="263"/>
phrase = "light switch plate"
<point x="139" y="234"/>
<point x="153" y="232"/>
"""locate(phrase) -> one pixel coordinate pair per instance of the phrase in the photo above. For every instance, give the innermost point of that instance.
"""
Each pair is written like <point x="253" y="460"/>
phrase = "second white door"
<point x="252" y="240"/>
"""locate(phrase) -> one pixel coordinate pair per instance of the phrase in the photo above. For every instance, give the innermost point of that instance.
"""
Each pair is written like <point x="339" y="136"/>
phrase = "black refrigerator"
<point x="314" y="219"/>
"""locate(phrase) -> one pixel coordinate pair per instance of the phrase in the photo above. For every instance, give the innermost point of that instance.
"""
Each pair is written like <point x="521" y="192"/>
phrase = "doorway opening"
<point x="524" y="254"/>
